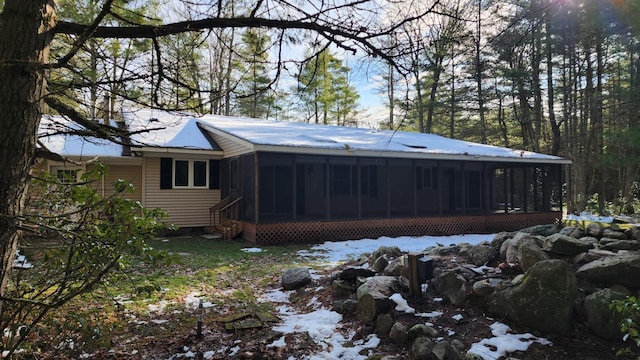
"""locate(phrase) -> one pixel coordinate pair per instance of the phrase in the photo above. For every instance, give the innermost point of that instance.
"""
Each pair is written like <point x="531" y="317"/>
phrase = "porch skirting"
<point x="320" y="231"/>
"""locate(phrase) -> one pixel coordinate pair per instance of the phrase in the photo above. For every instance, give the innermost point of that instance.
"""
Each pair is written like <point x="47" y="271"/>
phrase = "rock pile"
<point x="544" y="278"/>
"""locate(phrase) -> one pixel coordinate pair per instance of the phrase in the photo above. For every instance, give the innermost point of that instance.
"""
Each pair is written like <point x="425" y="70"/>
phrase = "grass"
<point x="216" y="270"/>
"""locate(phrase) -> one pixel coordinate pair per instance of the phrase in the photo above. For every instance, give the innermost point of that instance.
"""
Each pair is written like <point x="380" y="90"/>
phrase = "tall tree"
<point x="28" y="29"/>
<point x="256" y="96"/>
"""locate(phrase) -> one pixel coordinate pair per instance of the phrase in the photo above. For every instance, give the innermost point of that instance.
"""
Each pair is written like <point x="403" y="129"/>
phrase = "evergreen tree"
<point x="255" y="97"/>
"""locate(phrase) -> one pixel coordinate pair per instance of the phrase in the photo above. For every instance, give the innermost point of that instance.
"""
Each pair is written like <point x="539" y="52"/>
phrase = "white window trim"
<point x="53" y="170"/>
<point x="190" y="177"/>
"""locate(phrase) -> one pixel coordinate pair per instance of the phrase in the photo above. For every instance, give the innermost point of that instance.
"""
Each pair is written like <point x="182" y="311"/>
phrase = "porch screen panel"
<point x="247" y="166"/>
<point x="275" y="188"/>
<point x="401" y="188"/>
<point x="343" y="177"/>
<point x="373" y="188"/>
<point x="426" y="184"/>
<point x="311" y="189"/>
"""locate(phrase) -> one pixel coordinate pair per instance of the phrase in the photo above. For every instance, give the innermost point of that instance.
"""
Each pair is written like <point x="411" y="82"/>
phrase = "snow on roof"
<point x="302" y="135"/>
<point x="156" y="128"/>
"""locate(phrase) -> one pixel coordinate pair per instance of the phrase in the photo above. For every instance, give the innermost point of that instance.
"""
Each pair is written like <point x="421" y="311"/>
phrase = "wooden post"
<point x="414" y="284"/>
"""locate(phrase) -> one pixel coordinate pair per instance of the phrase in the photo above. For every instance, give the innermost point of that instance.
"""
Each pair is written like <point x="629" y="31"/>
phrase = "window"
<point x="66" y="175"/>
<point x="190" y="173"/>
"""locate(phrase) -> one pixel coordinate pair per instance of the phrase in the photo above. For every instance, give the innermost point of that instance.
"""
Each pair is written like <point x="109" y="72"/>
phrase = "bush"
<point x="630" y="309"/>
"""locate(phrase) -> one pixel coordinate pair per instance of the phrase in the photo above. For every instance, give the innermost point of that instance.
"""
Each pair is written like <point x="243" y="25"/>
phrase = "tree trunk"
<point x="24" y="44"/>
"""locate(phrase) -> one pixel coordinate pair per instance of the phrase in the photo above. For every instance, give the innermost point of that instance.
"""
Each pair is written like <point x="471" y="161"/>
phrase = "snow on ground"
<point x="332" y="252"/>
<point x="504" y="343"/>
<point x="589" y="217"/>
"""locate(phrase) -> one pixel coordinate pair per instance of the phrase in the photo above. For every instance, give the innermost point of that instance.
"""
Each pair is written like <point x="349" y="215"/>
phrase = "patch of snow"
<point x="159" y="321"/>
<point x="457" y="317"/>
<point x="432" y="314"/>
<point x="335" y="252"/>
<point x="276" y="296"/>
<point x="159" y="308"/>
<point x="208" y="355"/>
<point x="504" y="343"/>
<point x="438" y="299"/>
<point x="401" y="304"/>
<point x="589" y="217"/>
<point x="280" y="343"/>
<point x="252" y="250"/>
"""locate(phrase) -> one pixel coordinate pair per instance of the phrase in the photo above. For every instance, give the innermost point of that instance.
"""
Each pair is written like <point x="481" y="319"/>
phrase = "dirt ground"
<point x="580" y="343"/>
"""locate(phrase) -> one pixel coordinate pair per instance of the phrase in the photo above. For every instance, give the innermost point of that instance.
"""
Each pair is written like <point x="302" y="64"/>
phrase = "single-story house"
<point x="277" y="182"/>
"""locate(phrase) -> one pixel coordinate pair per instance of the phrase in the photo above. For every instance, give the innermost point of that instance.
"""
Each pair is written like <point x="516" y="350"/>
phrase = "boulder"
<point x="541" y="230"/>
<point x="614" y="234"/>
<point x="529" y="254"/>
<point x="399" y="334"/>
<point x="421" y="348"/>
<point x="615" y="245"/>
<point x="543" y="300"/>
<point x="486" y="287"/>
<point x="622" y="270"/>
<point x="296" y="278"/>
<point x="345" y="306"/>
<point x="384" y="322"/>
<point x="594" y="229"/>
<point x="379" y="264"/>
<point x="391" y="252"/>
<point x="452" y="286"/>
<point x="633" y="233"/>
<point x="572" y="231"/>
<point x="373" y="296"/>
<point x="500" y="238"/>
<point x="565" y="245"/>
<point x="395" y="268"/>
<point x="445" y="351"/>
<point x="342" y="288"/>
<point x="352" y="273"/>
<point x="420" y="330"/>
<point x="482" y="254"/>
<point x="602" y="320"/>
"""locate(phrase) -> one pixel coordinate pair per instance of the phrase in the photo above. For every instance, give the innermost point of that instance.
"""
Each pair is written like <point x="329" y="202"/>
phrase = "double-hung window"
<point x="190" y="173"/>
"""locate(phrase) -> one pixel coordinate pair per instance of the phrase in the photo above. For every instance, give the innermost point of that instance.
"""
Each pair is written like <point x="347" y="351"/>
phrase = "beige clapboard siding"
<point x="231" y="148"/>
<point x="186" y="207"/>
<point x="128" y="173"/>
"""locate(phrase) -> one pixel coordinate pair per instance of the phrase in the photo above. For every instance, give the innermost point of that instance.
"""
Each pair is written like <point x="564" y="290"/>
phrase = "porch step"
<point x="212" y="236"/>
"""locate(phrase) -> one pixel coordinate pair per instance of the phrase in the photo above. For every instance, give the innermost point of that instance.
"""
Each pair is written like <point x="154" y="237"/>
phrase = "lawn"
<point x="158" y="296"/>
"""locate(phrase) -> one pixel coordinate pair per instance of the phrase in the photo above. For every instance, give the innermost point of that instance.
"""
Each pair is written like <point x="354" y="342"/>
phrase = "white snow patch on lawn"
<point x="252" y="250"/>
<point x="276" y="296"/>
<point x="504" y="343"/>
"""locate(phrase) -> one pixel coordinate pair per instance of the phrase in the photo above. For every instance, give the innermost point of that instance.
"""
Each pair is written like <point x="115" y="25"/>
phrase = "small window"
<point x="181" y="174"/>
<point x="190" y="173"/>
<point x="199" y="173"/>
<point x="67" y="176"/>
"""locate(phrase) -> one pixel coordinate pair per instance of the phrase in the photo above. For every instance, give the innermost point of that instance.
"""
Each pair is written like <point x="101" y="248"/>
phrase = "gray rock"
<point x="373" y="297"/>
<point x="384" y="322"/>
<point x="345" y="306"/>
<point x="380" y="264"/>
<point x="352" y="273"/>
<point x="452" y="286"/>
<point x="622" y="270"/>
<point x="445" y="351"/>
<point x="565" y="245"/>
<point x="614" y="234"/>
<point x="399" y="334"/>
<point x="421" y="348"/>
<point x="395" y="268"/>
<point x="542" y="230"/>
<point x="594" y="229"/>
<point x="572" y="231"/>
<point x="543" y="300"/>
<point x="482" y="254"/>
<point x="486" y="287"/>
<point x="500" y="238"/>
<point x="420" y="330"/>
<point x="602" y="320"/>
<point x="633" y="233"/>
<point x="342" y="288"/>
<point x="391" y="252"/>
<point x="616" y="245"/>
<point x="296" y="278"/>
<point x="442" y="250"/>
<point x="529" y="254"/>
<point x="384" y="285"/>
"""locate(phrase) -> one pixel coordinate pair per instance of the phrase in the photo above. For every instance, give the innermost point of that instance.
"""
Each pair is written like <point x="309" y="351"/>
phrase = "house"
<point x="278" y="182"/>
